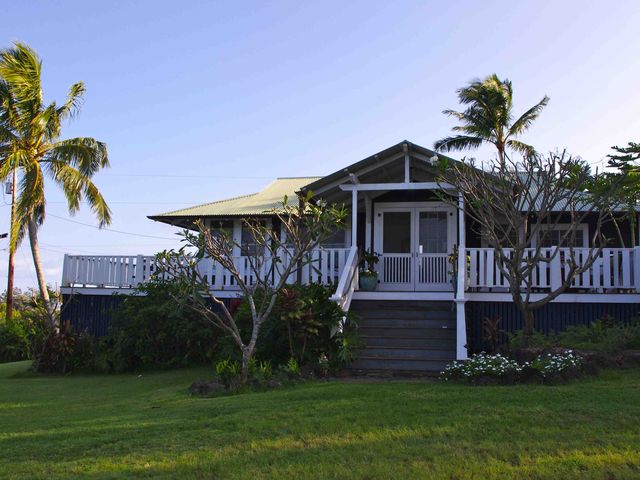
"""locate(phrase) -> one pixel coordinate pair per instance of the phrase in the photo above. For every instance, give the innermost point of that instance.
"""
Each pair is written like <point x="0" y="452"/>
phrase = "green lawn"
<point x="148" y="427"/>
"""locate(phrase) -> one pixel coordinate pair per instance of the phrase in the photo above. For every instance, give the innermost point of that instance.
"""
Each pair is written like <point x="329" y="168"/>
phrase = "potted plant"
<point x="368" y="274"/>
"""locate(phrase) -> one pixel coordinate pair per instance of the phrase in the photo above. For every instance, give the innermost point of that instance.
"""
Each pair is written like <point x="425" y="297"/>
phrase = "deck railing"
<point x="129" y="271"/>
<point x="613" y="269"/>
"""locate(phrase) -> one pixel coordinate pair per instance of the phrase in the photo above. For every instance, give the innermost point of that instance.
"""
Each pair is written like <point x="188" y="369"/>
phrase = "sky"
<point x="199" y="101"/>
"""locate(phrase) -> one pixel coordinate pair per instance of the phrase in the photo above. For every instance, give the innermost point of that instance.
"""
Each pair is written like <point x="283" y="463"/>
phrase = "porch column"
<point x="354" y="218"/>
<point x="461" y="323"/>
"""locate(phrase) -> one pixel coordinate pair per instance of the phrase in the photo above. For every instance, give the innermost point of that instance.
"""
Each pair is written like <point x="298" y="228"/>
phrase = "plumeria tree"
<point x="516" y="201"/>
<point x="281" y="250"/>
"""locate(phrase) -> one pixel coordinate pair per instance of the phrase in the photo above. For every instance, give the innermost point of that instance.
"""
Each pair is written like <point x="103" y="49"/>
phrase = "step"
<point x="407" y="353"/>
<point x="401" y="304"/>
<point x="391" y="332"/>
<point x="409" y="314"/>
<point x="398" y="365"/>
<point x="405" y="323"/>
<point x="409" y="342"/>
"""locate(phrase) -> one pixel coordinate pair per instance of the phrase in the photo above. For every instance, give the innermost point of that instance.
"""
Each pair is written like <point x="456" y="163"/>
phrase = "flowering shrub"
<point x="481" y="365"/>
<point x="553" y="364"/>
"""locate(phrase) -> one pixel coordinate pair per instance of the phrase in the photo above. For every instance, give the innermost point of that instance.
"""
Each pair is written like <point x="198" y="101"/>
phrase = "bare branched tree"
<point x="275" y="259"/>
<point x="516" y="203"/>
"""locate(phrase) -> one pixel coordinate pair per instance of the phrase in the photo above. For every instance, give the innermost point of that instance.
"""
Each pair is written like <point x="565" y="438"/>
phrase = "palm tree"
<point x="30" y="143"/>
<point x="488" y="119"/>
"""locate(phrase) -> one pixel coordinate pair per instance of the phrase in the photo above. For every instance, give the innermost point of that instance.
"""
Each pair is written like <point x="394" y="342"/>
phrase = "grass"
<point x="125" y="426"/>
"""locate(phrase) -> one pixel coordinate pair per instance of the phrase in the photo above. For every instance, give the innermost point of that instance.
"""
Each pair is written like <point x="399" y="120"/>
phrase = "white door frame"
<point x="410" y="272"/>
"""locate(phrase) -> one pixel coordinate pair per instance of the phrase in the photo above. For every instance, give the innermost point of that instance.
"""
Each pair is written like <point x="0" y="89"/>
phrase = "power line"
<point x="109" y="229"/>
<point x="158" y="175"/>
<point x="139" y="203"/>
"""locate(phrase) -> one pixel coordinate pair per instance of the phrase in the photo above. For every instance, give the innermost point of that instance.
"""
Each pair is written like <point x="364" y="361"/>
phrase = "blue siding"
<point x="552" y="317"/>
<point x="90" y="312"/>
<point x="93" y="313"/>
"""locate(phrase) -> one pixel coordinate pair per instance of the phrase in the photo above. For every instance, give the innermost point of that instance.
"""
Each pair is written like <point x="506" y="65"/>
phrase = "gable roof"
<point x="254" y="204"/>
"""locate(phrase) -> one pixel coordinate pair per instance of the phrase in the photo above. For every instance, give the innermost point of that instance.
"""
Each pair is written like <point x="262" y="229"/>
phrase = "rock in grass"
<point x="203" y="387"/>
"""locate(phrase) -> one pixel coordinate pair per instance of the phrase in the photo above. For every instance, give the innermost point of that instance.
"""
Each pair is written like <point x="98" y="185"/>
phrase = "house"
<point x="419" y="317"/>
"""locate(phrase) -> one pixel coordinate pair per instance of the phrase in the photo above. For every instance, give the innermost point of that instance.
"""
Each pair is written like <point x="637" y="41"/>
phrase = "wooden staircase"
<point x="405" y="336"/>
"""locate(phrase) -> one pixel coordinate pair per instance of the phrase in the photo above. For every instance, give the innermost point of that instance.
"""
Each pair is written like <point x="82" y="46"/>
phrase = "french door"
<point x="415" y="241"/>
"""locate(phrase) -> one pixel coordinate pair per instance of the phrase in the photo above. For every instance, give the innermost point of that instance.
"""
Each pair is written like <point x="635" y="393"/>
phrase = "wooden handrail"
<point x="348" y="281"/>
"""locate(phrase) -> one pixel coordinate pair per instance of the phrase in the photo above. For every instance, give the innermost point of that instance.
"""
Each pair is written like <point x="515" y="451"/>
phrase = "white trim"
<point x="562" y="298"/>
<point x="396" y="186"/>
<point x="354" y="218"/>
<point x="461" y="321"/>
<point x="407" y="168"/>
<point x="362" y="171"/>
<point x="379" y="295"/>
<point x="415" y="256"/>
<point x="367" y="223"/>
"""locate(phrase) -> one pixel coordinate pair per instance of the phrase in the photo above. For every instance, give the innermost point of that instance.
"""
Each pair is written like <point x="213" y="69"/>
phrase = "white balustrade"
<point x="613" y="268"/>
<point x="129" y="271"/>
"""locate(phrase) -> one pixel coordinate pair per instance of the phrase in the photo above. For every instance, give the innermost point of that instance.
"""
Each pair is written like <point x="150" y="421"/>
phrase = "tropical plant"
<point x="368" y="262"/>
<point x="488" y="119"/>
<point x="279" y="256"/>
<point x="30" y="143"/>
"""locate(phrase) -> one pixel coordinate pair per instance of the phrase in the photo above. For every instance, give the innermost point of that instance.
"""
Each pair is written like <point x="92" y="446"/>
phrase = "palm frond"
<point x="458" y="142"/>
<point x="74" y="101"/>
<point x="20" y="68"/>
<point x="77" y="187"/>
<point x="522" y="148"/>
<point x="526" y="119"/>
<point x="86" y="154"/>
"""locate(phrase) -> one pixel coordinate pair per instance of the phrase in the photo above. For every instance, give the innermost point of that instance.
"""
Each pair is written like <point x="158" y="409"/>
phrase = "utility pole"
<point x="12" y="252"/>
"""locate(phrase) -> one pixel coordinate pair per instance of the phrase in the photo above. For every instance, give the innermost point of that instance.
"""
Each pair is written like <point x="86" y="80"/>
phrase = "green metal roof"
<point x="261" y="203"/>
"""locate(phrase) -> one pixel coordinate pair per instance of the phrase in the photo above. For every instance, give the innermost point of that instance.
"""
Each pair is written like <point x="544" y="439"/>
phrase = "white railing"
<point x="128" y="271"/>
<point x="348" y="281"/>
<point x="434" y="269"/>
<point x="613" y="269"/>
<point x="420" y="271"/>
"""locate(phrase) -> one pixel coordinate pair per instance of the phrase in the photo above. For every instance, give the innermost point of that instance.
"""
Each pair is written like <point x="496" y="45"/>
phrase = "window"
<point x="248" y="244"/>
<point x="396" y="234"/>
<point x="336" y="239"/>
<point x="508" y="240"/>
<point x="553" y="236"/>
<point x="219" y="228"/>
<point x="433" y="234"/>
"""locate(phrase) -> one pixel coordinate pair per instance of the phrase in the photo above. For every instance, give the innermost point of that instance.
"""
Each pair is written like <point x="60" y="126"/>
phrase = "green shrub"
<point x="151" y="331"/>
<point x="23" y="336"/>
<point x="291" y="369"/>
<point x="551" y="364"/>
<point x="601" y="336"/>
<point x="538" y="339"/>
<point x="604" y="335"/>
<point x="303" y="325"/>
<point x="227" y="371"/>
<point x="64" y="351"/>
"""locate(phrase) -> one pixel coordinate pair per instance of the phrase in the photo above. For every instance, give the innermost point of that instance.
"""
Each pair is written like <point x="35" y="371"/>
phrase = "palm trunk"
<point x="12" y="250"/>
<point x="37" y="263"/>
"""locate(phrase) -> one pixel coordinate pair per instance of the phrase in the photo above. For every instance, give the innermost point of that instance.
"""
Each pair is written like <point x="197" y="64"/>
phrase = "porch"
<point x="615" y="271"/>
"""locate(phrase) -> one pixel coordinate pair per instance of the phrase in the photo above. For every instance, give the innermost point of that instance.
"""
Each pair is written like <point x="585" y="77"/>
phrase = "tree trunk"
<point x="247" y="353"/>
<point x="528" y="325"/>
<point x="12" y="251"/>
<point x="37" y="263"/>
